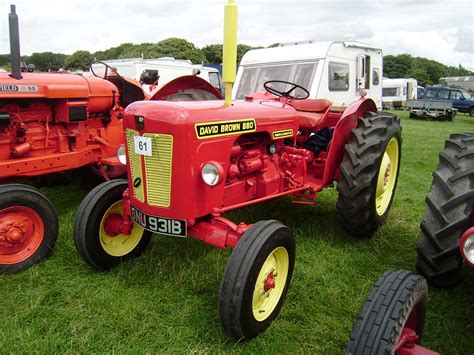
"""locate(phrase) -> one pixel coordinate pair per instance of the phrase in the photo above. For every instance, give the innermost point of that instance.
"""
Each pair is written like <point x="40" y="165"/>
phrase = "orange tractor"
<point x="53" y="122"/>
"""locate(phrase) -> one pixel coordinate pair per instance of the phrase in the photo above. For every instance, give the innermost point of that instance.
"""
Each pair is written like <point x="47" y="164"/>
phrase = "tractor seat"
<point x="311" y="105"/>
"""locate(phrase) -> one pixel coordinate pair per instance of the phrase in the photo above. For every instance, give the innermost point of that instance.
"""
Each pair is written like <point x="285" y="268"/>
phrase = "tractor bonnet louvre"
<point x="158" y="170"/>
<point x="135" y="165"/>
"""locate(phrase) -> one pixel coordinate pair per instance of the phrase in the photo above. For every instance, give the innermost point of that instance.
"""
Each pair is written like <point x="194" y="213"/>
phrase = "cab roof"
<point x="299" y="51"/>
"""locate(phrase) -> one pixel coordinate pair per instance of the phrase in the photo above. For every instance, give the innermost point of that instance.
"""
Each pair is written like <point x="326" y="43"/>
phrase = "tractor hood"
<point x="265" y="113"/>
<point x="180" y="137"/>
<point x="54" y="86"/>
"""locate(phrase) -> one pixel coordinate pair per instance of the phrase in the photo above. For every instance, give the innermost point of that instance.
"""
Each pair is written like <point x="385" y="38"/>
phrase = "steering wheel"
<point x="268" y="86"/>
<point x="107" y="68"/>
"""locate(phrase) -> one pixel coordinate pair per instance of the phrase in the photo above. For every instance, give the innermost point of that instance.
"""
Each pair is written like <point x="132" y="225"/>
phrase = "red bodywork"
<point x="251" y="173"/>
<point x="467" y="234"/>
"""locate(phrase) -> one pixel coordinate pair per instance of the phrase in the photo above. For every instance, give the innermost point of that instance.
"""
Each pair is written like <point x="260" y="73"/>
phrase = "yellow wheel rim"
<point x="270" y="283"/>
<point x="387" y="176"/>
<point x="121" y="244"/>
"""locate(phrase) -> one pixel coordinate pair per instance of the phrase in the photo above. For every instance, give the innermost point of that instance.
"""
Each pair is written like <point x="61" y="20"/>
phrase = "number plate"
<point x="174" y="227"/>
<point x="142" y="145"/>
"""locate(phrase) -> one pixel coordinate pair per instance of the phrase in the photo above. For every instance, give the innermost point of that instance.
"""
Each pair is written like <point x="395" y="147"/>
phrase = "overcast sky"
<point x="436" y="29"/>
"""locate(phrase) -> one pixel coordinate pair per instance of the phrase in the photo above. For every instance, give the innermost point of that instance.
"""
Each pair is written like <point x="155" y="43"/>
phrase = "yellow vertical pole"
<point x="229" y="56"/>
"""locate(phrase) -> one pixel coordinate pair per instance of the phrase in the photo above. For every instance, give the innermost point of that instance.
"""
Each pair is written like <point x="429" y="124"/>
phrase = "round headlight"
<point x="211" y="173"/>
<point x="122" y="155"/>
<point x="468" y="248"/>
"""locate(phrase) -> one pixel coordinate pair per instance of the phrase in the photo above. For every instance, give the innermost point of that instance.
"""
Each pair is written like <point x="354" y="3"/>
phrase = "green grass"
<point x="166" y="301"/>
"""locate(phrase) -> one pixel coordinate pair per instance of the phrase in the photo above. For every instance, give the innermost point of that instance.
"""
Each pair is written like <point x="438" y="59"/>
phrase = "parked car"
<point x="461" y="99"/>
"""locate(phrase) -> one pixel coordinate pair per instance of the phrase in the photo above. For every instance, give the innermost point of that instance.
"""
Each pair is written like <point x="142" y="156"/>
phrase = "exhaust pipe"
<point x="14" y="43"/>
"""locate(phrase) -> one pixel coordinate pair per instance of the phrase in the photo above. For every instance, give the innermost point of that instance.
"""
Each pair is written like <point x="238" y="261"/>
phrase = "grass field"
<point x="166" y="301"/>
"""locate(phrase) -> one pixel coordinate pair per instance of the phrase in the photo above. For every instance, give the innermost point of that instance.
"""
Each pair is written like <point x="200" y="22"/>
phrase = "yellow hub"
<point x="387" y="176"/>
<point x="120" y="244"/>
<point x="270" y="283"/>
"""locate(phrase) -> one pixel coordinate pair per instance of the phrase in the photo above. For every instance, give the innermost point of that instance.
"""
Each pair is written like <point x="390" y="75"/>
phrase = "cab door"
<point x="363" y="72"/>
<point x="458" y="100"/>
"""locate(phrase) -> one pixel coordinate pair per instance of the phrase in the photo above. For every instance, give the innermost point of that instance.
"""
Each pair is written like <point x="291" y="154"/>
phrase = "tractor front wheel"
<point x="28" y="227"/>
<point x="392" y="316"/>
<point x="449" y="213"/>
<point x="369" y="173"/>
<point x="95" y="245"/>
<point x="256" y="279"/>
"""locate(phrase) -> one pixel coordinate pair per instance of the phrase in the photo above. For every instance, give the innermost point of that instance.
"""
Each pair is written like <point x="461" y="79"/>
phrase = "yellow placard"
<point x="224" y="128"/>
<point x="282" y="134"/>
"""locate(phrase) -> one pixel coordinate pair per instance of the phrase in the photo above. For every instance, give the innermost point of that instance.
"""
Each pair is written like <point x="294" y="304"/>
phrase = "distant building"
<point x="461" y="82"/>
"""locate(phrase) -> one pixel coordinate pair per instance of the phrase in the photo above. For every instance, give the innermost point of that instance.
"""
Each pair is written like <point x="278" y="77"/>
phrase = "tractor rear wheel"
<point x="256" y="279"/>
<point x="369" y="173"/>
<point x="96" y="246"/>
<point x="449" y="212"/>
<point x="393" y="314"/>
<point x="28" y="227"/>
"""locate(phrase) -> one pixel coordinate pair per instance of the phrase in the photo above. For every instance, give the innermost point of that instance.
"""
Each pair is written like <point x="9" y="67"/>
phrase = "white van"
<point x="336" y="71"/>
<point x="167" y="69"/>
<point x="396" y="92"/>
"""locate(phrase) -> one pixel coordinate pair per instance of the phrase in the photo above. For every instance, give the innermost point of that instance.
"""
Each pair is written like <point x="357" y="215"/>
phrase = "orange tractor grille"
<point x="158" y="168"/>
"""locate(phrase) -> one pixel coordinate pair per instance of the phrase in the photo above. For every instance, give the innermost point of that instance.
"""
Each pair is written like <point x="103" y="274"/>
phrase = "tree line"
<point x="177" y="48"/>
<point x="426" y="71"/>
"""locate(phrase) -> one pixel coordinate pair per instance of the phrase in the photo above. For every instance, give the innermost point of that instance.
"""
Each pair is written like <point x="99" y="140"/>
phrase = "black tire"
<point x="363" y="157"/>
<point x="18" y="195"/>
<point x="448" y="213"/>
<point x="471" y="111"/>
<point x="398" y="300"/>
<point x="236" y="293"/>
<point x="87" y="226"/>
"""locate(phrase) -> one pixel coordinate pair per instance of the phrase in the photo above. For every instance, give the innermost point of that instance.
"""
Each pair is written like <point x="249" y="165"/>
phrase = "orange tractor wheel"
<point x="28" y="227"/>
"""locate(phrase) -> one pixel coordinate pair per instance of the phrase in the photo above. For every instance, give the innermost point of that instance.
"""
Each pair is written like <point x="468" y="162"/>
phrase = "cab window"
<point x="253" y="78"/>
<point x="278" y="72"/>
<point x="338" y="76"/>
<point x="456" y="95"/>
<point x="304" y="75"/>
<point x="376" y="76"/>
<point x="247" y="82"/>
<point x="443" y="95"/>
<point x="430" y="93"/>
<point x="214" y="79"/>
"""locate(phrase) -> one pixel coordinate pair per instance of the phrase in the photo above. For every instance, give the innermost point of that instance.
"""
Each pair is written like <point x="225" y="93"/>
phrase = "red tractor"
<point x="56" y="122"/>
<point x="392" y="318"/>
<point x="190" y="162"/>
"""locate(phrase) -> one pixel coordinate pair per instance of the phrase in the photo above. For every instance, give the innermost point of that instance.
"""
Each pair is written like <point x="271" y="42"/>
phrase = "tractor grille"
<point x="135" y="164"/>
<point x="158" y="168"/>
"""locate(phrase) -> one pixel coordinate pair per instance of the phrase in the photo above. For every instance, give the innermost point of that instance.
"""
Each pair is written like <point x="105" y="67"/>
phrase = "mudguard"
<point x="341" y="135"/>
<point x="182" y="84"/>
